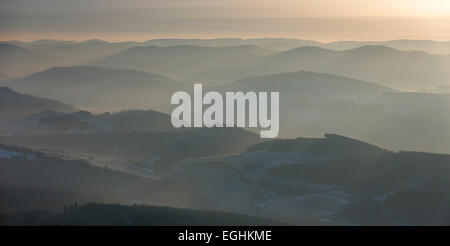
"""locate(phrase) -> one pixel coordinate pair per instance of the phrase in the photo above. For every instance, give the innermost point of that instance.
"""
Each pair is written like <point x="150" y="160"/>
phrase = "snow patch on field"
<point x="260" y="159"/>
<point x="383" y="197"/>
<point x="8" y="154"/>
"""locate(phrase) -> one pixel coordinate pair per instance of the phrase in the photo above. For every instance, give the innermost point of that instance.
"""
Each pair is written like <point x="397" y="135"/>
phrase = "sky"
<point x="139" y="20"/>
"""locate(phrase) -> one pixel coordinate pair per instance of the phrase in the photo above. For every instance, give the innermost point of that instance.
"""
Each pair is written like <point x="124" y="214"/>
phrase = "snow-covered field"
<point x="240" y="183"/>
<point x="8" y="154"/>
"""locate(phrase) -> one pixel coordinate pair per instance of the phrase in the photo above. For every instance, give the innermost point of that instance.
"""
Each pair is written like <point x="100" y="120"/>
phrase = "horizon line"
<point x="215" y="38"/>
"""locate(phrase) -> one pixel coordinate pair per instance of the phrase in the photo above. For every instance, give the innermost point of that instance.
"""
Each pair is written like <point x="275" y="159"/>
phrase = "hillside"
<point x="14" y="105"/>
<point x="100" y="89"/>
<point x="35" y="180"/>
<point x="326" y="181"/>
<point x="121" y="148"/>
<point x="309" y="87"/>
<point x="330" y="145"/>
<point x="319" y="181"/>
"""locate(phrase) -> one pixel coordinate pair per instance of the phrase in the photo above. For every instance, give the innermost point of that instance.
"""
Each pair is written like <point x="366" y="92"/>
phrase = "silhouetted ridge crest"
<point x="94" y="214"/>
<point x="332" y="144"/>
<point x="312" y="49"/>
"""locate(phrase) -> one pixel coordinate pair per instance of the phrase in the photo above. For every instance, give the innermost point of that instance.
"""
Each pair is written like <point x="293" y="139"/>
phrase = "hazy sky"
<point x="323" y="20"/>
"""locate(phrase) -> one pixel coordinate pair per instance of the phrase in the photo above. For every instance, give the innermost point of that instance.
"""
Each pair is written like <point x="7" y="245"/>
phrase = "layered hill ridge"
<point x="408" y="70"/>
<point x="17" y="61"/>
<point x="310" y="87"/>
<point x="100" y="89"/>
<point x="313" y="103"/>
<point x="182" y="60"/>
<point x="429" y="46"/>
<point x="14" y="105"/>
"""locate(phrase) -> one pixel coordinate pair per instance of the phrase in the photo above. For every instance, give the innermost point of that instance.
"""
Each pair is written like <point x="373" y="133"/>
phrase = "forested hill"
<point x="137" y="215"/>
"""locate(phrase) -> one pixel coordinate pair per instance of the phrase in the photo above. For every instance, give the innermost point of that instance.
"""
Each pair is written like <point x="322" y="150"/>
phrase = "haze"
<point x="139" y="20"/>
<point x="364" y="125"/>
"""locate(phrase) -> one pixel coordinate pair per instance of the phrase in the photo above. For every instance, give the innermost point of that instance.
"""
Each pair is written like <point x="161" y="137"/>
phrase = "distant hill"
<point x="69" y="53"/>
<point x="101" y="89"/>
<point x="314" y="103"/>
<point x="92" y="214"/>
<point x="276" y="44"/>
<point x="280" y="44"/>
<point x="409" y="70"/>
<point x="50" y="121"/>
<point x="179" y="61"/>
<point x="309" y="87"/>
<point x="14" y="105"/>
<point x="3" y="76"/>
<point x="17" y="61"/>
<point x="429" y="46"/>
<point x="302" y="93"/>
<point x="12" y="51"/>
<point x="216" y="61"/>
